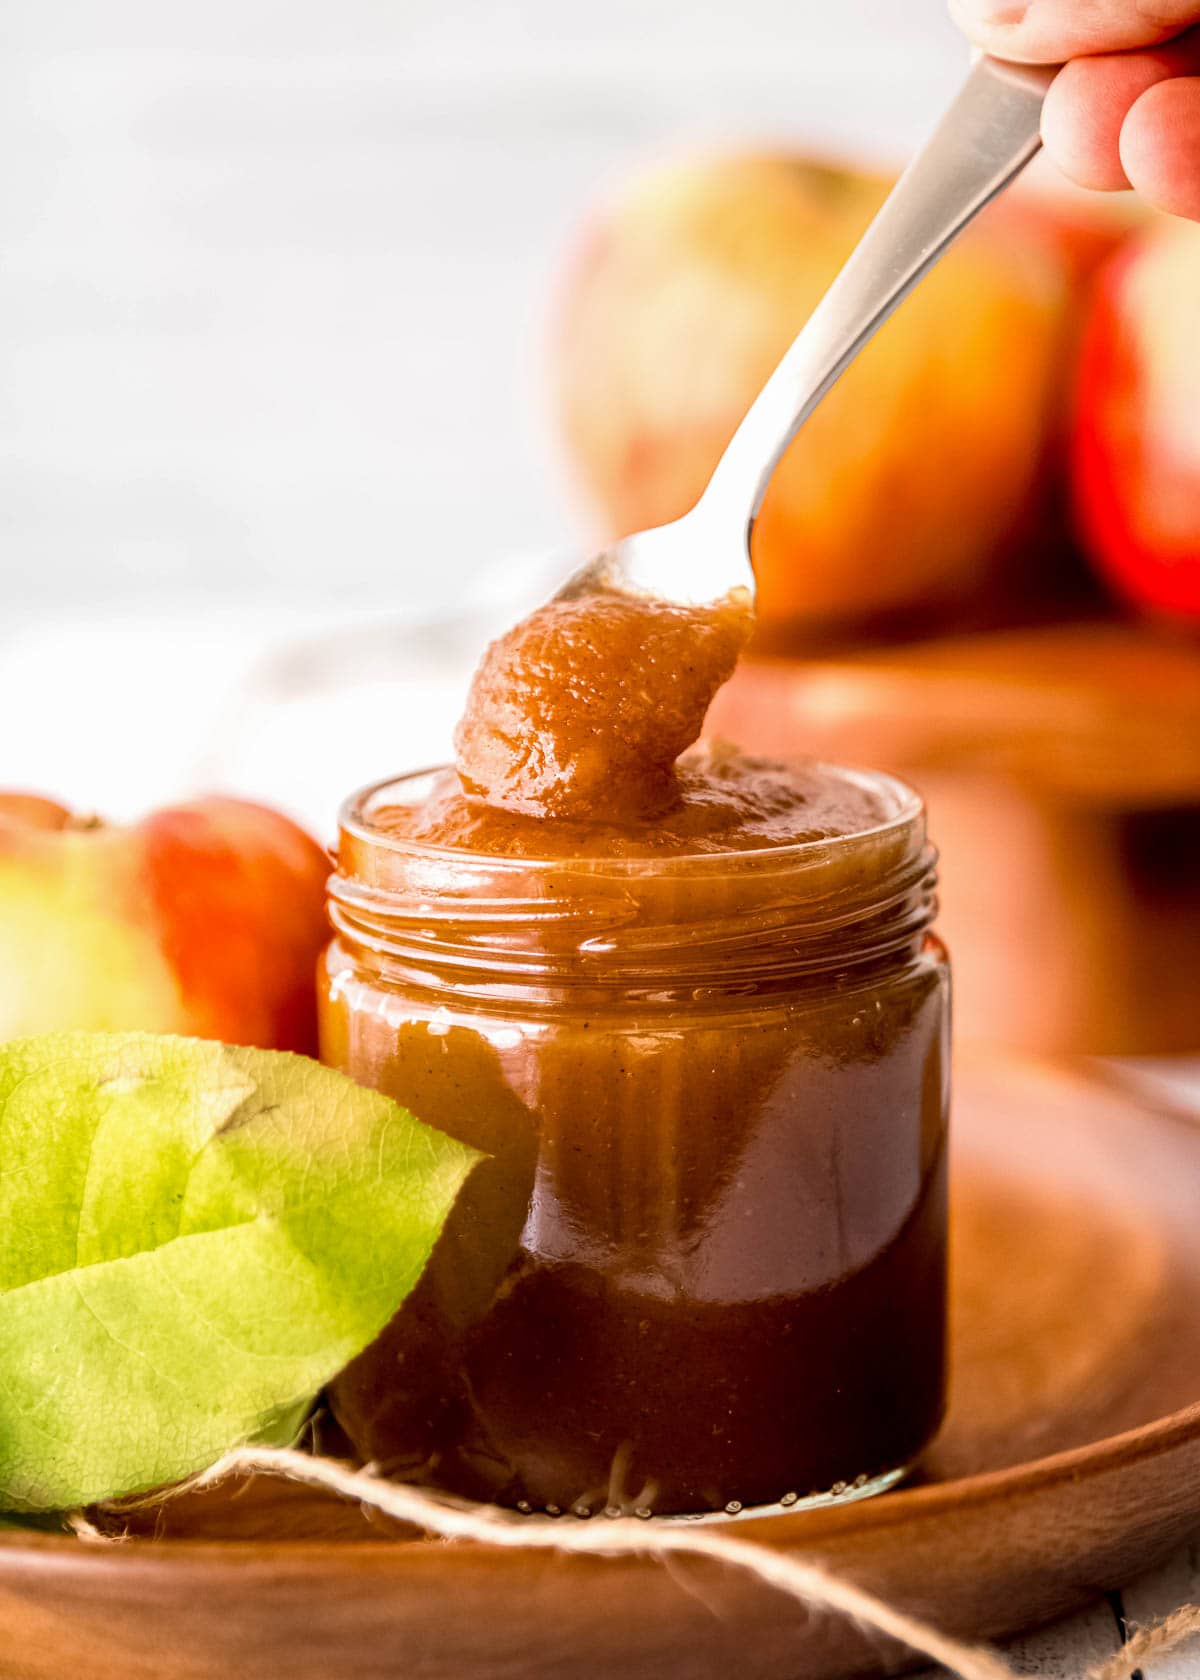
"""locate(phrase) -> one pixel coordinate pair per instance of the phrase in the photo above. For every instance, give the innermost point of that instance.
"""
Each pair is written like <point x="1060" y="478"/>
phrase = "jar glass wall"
<point x="703" y="1266"/>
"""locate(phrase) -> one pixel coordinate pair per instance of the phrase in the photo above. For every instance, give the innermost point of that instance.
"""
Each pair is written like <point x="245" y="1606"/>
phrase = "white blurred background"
<point x="275" y="285"/>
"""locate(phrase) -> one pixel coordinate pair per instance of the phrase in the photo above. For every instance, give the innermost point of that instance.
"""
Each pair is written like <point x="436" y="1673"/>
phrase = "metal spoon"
<point x="987" y="136"/>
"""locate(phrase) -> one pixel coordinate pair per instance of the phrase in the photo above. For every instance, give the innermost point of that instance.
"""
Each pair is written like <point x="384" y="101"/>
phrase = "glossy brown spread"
<point x="703" y="1260"/>
<point x="722" y="800"/>
<point x="581" y="710"/>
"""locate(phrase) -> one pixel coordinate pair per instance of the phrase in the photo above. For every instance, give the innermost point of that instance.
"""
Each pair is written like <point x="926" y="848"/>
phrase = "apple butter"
<point x="690" y="1005"/>
<point x="583" y="708"/>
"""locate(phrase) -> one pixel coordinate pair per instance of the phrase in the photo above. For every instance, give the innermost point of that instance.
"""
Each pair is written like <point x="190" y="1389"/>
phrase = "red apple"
<point x="205" y="918"/>
<point x="1135" y="458"/>
<point x="913" y="480"/>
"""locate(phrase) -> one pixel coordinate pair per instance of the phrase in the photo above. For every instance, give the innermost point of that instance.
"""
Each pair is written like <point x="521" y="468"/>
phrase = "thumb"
<point x="1050" y="31"/>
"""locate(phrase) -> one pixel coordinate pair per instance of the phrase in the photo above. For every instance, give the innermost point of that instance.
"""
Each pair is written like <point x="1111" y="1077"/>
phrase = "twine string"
<point x="806" y="1583"/>
<point x="1144" y="1643"/>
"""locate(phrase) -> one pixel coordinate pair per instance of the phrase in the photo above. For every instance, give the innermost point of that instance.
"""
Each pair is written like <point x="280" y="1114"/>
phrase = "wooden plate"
<point x="1070" y="1461"/>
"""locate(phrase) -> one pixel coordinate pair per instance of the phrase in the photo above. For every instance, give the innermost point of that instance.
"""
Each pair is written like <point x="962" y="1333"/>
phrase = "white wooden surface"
<point x="1067" y="1649"/>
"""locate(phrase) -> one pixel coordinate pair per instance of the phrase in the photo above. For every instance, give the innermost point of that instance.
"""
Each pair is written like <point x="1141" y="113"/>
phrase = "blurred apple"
<point x="914" y="478"/>
<point x="1083" y="228"/>
<point x="205" y="918"/>
<point x="1136" y="442"/>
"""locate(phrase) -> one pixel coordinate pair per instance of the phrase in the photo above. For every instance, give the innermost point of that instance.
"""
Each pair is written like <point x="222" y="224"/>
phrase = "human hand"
<point x="1124" y="111"/>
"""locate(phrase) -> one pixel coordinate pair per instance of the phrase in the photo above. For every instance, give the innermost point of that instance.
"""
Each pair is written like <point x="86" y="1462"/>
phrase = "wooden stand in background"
<point x="1061" y="767"/>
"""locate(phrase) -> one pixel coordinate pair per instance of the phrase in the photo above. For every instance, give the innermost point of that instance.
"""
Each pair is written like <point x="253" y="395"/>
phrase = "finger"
<point x="1160" y="146"/>
<point x="1090" y="98"/>
<point x="1050" y="31"/>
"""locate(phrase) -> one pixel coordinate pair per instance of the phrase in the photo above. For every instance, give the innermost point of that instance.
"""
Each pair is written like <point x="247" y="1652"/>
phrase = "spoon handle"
<point x="987" y="136"/>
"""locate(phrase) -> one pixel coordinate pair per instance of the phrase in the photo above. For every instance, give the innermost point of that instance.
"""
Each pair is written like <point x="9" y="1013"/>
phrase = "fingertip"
<point x="1082" y="118"/>
<point x="1160" y="146"/>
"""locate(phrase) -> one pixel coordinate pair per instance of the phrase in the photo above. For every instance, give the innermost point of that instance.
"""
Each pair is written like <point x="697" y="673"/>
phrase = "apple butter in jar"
<point x="690" y="1005"/>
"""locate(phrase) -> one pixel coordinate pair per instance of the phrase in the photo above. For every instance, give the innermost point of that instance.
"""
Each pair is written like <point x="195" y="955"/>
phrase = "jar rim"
<point x="355" y="823"/>
<point x="726" y="918"/>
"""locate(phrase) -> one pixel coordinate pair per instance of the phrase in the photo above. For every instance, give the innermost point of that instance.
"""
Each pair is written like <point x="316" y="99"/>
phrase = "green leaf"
<point x="193" y="1239"/>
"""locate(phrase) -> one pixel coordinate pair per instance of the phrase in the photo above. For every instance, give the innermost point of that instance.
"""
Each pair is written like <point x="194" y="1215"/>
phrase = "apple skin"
<point x="1135" y="447"/>
<point x="204" y="918"/>
<point x="917" y="476"/>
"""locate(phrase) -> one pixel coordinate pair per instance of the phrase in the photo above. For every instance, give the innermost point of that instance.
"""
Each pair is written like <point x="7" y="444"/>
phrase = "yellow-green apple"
<point x="913" y="479"/>
<point x="1135" y="455"/>
<point x="204" y="918"/>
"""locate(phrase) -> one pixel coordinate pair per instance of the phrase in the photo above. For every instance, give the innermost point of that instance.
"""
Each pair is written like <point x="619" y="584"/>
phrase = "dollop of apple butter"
<point x="581" y="710"/>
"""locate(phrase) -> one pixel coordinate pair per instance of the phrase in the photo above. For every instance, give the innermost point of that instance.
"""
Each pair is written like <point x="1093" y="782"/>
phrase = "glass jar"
<point x="703" y="1267"/>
